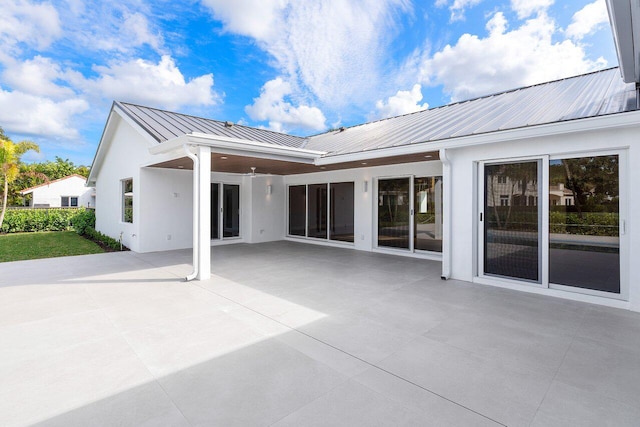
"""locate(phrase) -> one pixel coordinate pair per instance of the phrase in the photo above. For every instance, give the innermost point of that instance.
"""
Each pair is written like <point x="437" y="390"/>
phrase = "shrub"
<point x="84" y="219"/>
<point x="103" y="240"/>
<point x="24" y="220"/>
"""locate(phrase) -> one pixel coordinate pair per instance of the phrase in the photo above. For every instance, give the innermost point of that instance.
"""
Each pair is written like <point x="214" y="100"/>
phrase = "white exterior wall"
<point x="364" y="202"/>
<point x="268" y="210"/>
<point x="74" y="186"/>
<point x="123" y="160"/>
<point x="464" y="184"/>
<point x="165" y="215"/>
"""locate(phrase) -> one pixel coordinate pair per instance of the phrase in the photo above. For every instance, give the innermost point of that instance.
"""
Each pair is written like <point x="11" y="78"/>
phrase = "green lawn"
<point x="21" y="246"/>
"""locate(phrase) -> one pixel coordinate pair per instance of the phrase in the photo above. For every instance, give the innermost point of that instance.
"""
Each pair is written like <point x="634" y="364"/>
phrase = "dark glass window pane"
<point x="393" y="213"/>
<point x="231" y="218"/>
<point x="511" y="223"/>
<point x="428" y="214"/>
<point x="127" y="200"/>
<point x="318" y="210"/>
<point x="64" y="202"/>
<point x="73" y="202"/>
<point x="297" y="210"/>
<point x="342" y="224"/>
<point x="215" y="211"/>
<point x="584" y="240"/>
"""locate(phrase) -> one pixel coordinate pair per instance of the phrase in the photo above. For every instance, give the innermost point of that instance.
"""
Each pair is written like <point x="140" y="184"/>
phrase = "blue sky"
<point x="300" y="67"/>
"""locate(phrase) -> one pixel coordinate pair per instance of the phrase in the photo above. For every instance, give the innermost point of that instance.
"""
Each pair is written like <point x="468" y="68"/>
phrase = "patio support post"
<point x="204" y="212"/>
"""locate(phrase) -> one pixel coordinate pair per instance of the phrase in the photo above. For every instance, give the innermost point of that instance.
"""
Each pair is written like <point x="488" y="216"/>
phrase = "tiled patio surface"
<point x="289" y="334"/>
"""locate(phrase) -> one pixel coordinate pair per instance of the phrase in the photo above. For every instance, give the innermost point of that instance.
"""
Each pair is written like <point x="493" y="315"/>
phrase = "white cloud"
<point x="526" y="8"/>
<point x="457" y="7"/>
<point x="403" y="102"/>
<point x="145" y="82"/>
<point x="111" y="26"/>
<point x="27" y="114"/>
<point x="254" y="18"/>
<point x="504" y="59"/>
<point x="588" y="20"/>
<point x="36" y="76"/>
<point x="21" y="21"/>
<point x="322" y="47"/>
<point x="271" y="106"/>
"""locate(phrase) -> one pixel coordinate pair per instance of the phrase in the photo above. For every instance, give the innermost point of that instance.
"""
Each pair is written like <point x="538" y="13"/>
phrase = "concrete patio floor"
<point x="289" y="334"/>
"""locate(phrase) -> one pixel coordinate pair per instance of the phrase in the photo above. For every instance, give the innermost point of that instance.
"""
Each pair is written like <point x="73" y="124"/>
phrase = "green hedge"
<point x="85" y="218"/>
<point x="103" y="240"/>
<point x="25" y="220"/>
<point x="590" y="224"/>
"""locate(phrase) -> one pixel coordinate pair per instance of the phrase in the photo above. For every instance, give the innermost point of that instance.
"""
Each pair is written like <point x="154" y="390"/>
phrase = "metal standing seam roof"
<point x="164" y="125"/>
<point x="589" y="95"/>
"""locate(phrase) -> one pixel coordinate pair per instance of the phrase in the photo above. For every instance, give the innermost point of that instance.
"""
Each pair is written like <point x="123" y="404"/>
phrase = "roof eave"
<point x="238" y="146"/>
<point x="624" y="16"/>
<point x="619" y="120"/>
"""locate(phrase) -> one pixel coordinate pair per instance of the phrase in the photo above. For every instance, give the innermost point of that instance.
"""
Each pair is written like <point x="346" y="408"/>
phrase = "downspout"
<point x="196" y="209"/>
<point x="446" y="201"/>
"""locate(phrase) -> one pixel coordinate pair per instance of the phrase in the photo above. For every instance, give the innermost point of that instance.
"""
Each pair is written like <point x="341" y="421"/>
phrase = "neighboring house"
<point x="416" y="185"/>
<point x="70" y="191"/>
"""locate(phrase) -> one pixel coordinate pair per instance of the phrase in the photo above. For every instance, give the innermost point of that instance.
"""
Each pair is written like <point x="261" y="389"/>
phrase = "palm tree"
<point x="10" y="154"/>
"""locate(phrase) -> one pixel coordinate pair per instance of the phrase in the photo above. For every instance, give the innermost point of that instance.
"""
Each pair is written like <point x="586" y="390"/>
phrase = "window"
<point x="504" y="200"/>
<point x="69" y="201"/>
<point x="297" y="210"/>
<point x="127" y="200"/>
<point x="502" y="179"/>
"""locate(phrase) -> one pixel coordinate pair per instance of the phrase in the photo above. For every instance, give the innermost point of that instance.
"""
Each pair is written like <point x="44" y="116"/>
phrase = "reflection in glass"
<point x="318" y="211"/>
<point x="428" y="214"/>
<point x="393" y="213"/>
<point x="511" y="220"/>
<point x="584" y="240"/>
<point x="297" y="210"/>
<point x="341" y="208"/>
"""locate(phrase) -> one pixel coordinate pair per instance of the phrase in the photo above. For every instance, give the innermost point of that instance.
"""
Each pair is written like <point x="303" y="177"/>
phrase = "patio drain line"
<point x="358" y="358"/>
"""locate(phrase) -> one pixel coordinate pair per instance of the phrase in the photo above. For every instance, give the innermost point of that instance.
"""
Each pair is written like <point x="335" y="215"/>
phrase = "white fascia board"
<point x="226" y="145"/>
<point x="619" y="120"/>
<point x="622" y="14"/>
<point x="107" y="134"/>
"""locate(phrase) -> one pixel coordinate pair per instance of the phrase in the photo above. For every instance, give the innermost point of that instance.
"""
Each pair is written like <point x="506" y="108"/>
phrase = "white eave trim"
<point x="619" y="120"/>
<point x="226" y="145"/>
<point x="625" y="24"/>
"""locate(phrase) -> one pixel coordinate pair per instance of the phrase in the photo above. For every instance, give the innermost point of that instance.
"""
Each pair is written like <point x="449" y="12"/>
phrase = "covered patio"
<point x="296" y="334"/>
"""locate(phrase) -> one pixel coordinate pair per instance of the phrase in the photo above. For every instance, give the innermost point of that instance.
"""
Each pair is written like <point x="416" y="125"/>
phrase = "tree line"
<point x="15" y="175"/>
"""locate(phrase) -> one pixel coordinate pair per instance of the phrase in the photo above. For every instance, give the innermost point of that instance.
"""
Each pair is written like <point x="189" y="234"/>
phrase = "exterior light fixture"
<point x="223" y="157"/>
<point x="365" y="186"/>
<point x="253" y="172"/>
<point x="269" y="189"/>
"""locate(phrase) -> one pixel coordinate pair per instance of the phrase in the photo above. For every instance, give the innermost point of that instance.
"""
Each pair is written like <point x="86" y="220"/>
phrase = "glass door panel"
<point x="231" y="218"/>
<point x="393" y="212"/>
<point x="584" y="238"/>
<point x="341" y="208"/>
<point x="215" y="211"/>
<point x="511" y="223"/>
<point x="297" y="210"/>
<point x="427" y="202"/>
<point x="318" y="211"/>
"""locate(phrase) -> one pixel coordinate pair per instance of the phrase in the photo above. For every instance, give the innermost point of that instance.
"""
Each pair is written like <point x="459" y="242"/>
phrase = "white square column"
<point x="204" y="212"/>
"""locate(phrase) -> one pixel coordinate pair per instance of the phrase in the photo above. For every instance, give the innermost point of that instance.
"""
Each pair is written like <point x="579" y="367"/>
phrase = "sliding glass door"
<point x="225" y="210"/>
<point x="410" y="213"/>
<point x="584" y="211"/>
<point x="393" y="212"/>
<point x="567" y="236"/>
<point x="322" y="211"/>
<point x="511" y="220"/>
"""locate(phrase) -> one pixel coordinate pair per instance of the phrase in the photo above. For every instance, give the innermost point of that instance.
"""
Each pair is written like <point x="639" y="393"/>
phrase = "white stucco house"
<point x="471" y="184"/>
<point x="68" y="192"/>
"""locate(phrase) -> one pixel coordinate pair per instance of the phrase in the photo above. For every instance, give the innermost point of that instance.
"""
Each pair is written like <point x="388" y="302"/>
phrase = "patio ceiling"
<point x="228" y="163"/>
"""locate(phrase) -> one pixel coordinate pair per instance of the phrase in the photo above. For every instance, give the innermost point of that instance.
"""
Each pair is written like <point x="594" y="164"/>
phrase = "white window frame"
<point x="221" y="184"/>
<point x="123" y="196"/>
<point x="544" y="205"/>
